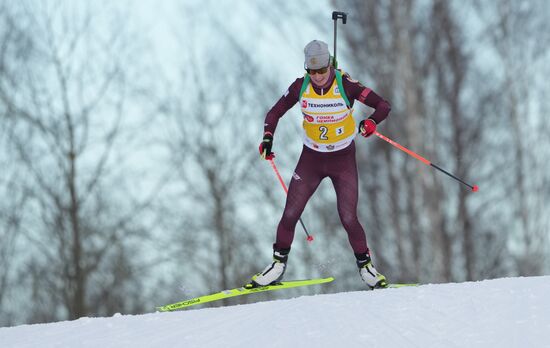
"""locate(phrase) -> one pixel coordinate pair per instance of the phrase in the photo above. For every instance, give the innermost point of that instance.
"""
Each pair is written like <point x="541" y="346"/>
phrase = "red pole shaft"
<point x="278" y="175"/>
<point x="402" y="148"/>
<point x="474" y="188"/>
<point x="309" y="237"/>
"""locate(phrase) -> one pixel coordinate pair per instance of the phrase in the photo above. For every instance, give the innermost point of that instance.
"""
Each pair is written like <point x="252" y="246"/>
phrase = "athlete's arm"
<point x="356" y="91"/>
<point x="287" y="101"/>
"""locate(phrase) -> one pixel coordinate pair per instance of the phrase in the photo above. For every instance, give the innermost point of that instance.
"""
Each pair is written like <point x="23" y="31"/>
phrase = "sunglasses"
<point x="317" y="71"/>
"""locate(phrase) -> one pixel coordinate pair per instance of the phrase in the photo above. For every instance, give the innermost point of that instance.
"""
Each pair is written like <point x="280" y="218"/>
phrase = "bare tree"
<point x="426" y="64"/>
<point x="518" y="35"/>
<point x="67" y="106"/>
<point x="10" y="220"/>
<point x="212" y="138"/>
<point x="13" y="42"/>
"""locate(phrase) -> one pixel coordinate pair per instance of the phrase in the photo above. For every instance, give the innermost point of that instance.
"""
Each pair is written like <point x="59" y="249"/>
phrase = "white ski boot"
<point x="369" y="274"/>
<point x="273" y="273"/>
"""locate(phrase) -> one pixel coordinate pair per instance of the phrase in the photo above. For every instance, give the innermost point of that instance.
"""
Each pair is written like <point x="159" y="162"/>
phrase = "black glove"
<point x="265" y="147"/>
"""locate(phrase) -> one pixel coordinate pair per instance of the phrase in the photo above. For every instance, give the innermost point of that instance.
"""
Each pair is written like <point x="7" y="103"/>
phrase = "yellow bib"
<point x="328" y="123"/>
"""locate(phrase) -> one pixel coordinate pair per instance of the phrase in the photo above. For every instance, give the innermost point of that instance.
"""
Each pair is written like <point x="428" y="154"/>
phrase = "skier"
<point x="326" y="97"/>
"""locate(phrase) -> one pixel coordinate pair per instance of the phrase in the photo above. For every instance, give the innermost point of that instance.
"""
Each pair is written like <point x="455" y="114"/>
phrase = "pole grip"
<point x="339" y="14"/>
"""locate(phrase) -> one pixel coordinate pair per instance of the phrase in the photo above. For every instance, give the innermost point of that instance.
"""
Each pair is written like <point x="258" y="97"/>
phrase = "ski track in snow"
<point x="509" y="312"/>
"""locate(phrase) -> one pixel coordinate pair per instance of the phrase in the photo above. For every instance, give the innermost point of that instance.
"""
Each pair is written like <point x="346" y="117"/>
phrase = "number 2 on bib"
<point x="324" y="131"/>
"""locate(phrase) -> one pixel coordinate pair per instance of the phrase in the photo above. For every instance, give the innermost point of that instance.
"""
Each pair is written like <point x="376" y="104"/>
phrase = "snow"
<point x="508" y="312"/>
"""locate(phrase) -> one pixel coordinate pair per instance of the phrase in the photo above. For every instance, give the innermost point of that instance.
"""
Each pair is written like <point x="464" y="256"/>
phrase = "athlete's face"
<point x="319" y="76"/>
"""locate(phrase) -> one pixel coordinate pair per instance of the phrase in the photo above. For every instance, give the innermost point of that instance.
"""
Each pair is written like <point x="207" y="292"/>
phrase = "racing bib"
<point x="328" y="122"/>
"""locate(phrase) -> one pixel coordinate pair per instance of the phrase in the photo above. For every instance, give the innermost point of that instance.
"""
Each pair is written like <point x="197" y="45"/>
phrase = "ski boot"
<point x="369" y="274"/>
<point x="273" y="273"/>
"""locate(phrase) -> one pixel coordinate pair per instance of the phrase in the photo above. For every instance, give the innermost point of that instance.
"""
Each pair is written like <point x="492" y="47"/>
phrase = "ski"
<point x="400" y="285"/>
<point x="244" y="290"/>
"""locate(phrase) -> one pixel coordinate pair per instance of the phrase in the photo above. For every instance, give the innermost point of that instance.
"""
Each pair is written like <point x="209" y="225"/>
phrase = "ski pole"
<point x="474" y="188"/>
<point x="335" y="16"/>
<point x="309" y="237"/>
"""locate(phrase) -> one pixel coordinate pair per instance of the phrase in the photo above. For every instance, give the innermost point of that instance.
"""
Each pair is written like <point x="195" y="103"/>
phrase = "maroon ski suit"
<point x="313" y="166"/>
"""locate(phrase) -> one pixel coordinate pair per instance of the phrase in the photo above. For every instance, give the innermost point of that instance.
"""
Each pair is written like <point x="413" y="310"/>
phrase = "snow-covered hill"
<point x="511" y="312"/>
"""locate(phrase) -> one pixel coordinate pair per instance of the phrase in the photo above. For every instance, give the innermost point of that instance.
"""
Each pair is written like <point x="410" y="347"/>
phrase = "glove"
<point x="265" y="147"/>
<point x="367" y="127"/>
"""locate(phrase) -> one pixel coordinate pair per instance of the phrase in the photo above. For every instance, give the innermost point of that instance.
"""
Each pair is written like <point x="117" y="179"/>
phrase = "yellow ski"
<point x="244" y="290"/>
<point x="401" y="285"/>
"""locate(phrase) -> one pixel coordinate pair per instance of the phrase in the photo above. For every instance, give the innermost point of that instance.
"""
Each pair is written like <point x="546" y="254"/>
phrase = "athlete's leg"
<point x="343" y="173"/>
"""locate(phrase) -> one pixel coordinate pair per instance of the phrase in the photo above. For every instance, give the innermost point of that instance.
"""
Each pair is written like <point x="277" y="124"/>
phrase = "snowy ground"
<point x="512" y="312"/>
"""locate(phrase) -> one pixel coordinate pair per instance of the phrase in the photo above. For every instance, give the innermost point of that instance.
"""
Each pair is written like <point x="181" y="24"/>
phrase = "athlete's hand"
<point x="367" y="127"/>
<point x="265" y="147"/>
